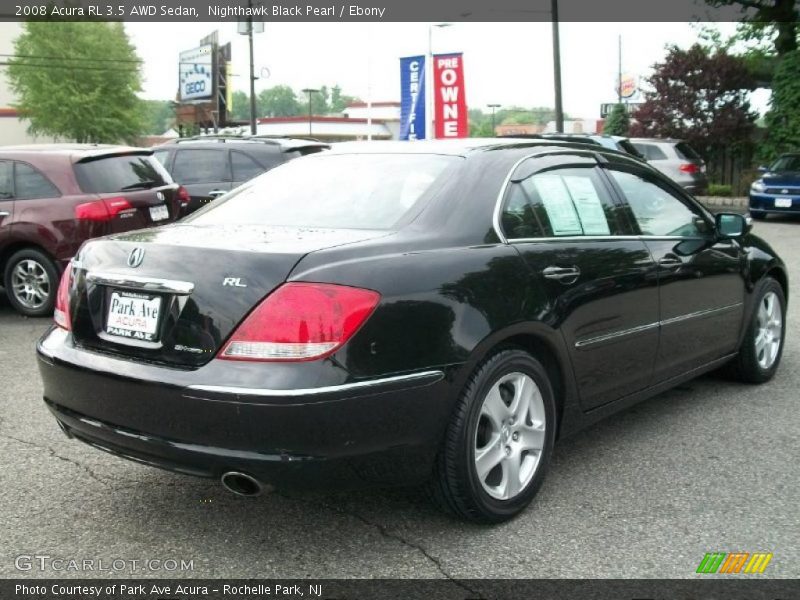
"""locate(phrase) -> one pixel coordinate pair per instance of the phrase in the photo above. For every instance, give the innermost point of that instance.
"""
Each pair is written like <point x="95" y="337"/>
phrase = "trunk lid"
<point x="200" y="281"/>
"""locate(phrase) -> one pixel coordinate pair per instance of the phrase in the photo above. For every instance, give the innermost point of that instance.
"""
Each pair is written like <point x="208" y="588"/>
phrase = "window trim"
<point x="39" y="172"/>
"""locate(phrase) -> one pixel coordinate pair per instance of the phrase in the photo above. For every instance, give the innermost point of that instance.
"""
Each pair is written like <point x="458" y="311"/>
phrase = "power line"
<point x="74" y="58"/>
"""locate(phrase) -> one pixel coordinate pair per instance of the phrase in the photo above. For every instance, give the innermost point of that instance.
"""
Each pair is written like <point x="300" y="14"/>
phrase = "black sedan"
<point x="396" y="313"/>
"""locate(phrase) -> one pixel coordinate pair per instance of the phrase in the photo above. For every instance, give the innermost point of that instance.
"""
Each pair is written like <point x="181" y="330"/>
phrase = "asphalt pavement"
<point x="711" y="466"/>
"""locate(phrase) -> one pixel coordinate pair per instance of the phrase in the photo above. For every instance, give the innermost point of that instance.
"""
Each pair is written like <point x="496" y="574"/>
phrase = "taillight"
<point x="689" y="168"/>
<point x="102" y="210"/>
<point x="301" y="321"/>
<point x="183" y="195"/>
<point x="61" y="315"/>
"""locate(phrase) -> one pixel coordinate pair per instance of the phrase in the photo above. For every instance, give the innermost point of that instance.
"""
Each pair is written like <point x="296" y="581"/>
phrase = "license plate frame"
<point x="133" y="316"/>
<point x="159" y="213"/>
<point x="783" y="202"/>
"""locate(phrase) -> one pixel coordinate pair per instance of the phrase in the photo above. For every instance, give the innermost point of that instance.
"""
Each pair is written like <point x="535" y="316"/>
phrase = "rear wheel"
<point x="31" y="280"/>
<point x="499" y="442"/>
<point x="762" y="347"/>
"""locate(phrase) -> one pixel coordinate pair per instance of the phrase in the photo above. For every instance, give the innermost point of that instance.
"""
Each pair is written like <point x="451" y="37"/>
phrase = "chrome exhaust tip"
<point x="241" y="484"/>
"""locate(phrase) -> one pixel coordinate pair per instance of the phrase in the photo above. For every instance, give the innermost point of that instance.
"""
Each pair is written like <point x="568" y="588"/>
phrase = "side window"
<point x="6" y="181"/>
<point x="562" y="202"/>
<point x="200" y="166"/>
<point x="651" y="151"/>
<point x="30" y="183"/>
<point x="244" y="167"/>
<point x="655" y="209"/>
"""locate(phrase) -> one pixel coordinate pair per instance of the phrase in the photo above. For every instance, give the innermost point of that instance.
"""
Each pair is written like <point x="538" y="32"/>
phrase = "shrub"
<point x="718" y="189"/>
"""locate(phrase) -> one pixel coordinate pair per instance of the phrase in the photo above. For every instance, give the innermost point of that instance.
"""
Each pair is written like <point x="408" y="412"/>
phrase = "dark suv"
<point x="53" y="197"/>
<point x="210" y="166"/>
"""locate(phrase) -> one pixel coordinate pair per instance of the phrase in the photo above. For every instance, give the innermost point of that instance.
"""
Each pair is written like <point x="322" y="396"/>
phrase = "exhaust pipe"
<point x="241" y="484"/>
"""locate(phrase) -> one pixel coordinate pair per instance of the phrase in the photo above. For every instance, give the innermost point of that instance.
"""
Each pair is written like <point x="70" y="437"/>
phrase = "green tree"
<point x="277" y="101"/>
<point x="783" y="118"/>
<point x="87" y="93"/>
<point x="617" y="122"/>
<point x="159" y="115"/>
<point x="240" y="110"/>
<point x="340" y="101"/>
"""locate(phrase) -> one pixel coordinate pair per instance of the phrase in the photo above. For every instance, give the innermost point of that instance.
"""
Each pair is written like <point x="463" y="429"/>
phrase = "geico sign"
<point x="192" y="88"/>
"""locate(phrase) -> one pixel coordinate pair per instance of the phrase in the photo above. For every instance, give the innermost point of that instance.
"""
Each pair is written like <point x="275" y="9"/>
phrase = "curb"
<point x="740" y="202"/>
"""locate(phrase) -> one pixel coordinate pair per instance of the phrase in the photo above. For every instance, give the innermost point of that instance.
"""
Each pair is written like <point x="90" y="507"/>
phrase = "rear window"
<point x="349" y="191"/>
<point x="685" y="151"/>
<point x="650" y="151"/>
<point x="120" y="173"/>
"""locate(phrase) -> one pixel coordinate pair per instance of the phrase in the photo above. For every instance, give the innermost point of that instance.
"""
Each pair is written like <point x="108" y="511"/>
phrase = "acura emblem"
<point x="136" y="257"/>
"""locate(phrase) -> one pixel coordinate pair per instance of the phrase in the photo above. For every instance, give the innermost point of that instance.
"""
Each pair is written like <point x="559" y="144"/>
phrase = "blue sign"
<point x="412" y="98"/>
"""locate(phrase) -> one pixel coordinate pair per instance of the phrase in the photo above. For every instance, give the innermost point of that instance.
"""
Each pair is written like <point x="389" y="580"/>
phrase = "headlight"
<point x="758" y="186"/>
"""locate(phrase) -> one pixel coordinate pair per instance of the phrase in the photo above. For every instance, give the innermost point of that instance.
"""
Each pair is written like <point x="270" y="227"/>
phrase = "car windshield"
<point x="790" y="162"/>
<point x="349" y="191"/>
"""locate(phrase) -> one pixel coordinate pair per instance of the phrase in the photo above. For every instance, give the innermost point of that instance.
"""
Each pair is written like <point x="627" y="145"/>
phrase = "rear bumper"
<point x="382" y="431"/>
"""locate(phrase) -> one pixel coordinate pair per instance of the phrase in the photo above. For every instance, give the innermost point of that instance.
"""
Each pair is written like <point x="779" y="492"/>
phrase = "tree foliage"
<point x="773" y="20"/>
<point x="159" y="115"/>
<point x="783" y="118"/>
<point x="77" y="80"/>
<point x="480" y="122"/>
<point x="277" y="101"/>
<point x="698" y="95"/>
<point x="618" y="122"/>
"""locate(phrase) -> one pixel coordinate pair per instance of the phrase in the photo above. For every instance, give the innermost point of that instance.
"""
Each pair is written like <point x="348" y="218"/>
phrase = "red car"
<point x="53" y="197"/>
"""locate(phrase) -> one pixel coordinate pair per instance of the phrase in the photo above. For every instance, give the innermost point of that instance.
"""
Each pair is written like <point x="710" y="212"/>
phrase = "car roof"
<point x="457" y="147"/>
<point x="75" y="151"/>
<point x="656" y="140"/>
<point x="284" y="143"/>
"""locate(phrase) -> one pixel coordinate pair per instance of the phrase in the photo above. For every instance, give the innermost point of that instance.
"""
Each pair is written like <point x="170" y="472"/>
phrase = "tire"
<point x="757" y="362"/>
<point x="479" y="427"/>
<point x="758" y="215"/>
<point x="38" y="296"/>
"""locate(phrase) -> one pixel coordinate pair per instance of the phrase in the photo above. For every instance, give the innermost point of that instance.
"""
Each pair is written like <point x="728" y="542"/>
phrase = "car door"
<point x="701" y="283"/>
<point x="595" y="281"/>
<point x="6" y="200"/>
<point x="244" y="168"/>
<point x="204" y="172"/>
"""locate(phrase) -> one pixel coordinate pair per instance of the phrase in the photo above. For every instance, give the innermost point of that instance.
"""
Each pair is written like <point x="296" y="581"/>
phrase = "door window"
<point x="657" y="211"/>
<point x="30" y="183"/>
<point x="244" y="167"/>
<point x="200" y="166"/>
<point x="562" y="202"/>
<point x="6" y="182"/>
<point x="651" y="152"/>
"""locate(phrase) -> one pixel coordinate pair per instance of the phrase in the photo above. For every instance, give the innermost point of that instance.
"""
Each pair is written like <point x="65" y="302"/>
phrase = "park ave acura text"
<point x="395" y="313"/>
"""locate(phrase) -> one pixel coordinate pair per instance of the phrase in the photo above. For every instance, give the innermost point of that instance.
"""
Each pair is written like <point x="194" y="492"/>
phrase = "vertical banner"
<point x="412" y="98"/>
<point x="450" y="103"/>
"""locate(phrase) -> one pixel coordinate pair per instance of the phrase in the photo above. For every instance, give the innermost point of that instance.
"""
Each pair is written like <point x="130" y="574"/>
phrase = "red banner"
<point x="450" y="102"/>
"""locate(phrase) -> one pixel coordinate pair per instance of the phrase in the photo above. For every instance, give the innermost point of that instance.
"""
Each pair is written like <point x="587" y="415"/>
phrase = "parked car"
<point x="53" y="197"/>
<point x="389" y="313"/>
<point x="210" y="166"/>
<point x="778" y="189"/>
<point x="613" y="142"/>
<point x="677" y="160"/>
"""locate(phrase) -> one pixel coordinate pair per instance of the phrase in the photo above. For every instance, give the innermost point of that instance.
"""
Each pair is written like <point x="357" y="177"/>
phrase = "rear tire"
<point x="31" y="282"/>
<point x="762" y="346"/>
<point x="499" y="442"/>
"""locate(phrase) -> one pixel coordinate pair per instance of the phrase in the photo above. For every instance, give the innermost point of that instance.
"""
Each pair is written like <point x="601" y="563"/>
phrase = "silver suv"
<point x="677" y="160"/>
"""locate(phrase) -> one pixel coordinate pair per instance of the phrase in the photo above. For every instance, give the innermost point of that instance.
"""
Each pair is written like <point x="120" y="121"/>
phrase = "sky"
<point x="504" y="63"/>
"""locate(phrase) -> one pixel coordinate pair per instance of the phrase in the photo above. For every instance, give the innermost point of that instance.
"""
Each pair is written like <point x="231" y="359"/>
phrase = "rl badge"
<point x="133" y="316"/>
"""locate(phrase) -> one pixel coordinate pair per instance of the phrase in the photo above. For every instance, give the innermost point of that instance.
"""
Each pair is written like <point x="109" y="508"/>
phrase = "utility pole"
<point x="493" y="107"/>
<point x="619" y="71"/>
<point x="253" y="129"/>
<point x="309" y="91"/>
<point x="557" y="67"/>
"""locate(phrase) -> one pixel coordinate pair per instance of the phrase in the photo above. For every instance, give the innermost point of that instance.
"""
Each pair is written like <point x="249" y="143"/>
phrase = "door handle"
<point x="565" y="275"/>
<point x="4" y="213"/>
<point x="217" y="193"/>
<point x="670" y="261"/>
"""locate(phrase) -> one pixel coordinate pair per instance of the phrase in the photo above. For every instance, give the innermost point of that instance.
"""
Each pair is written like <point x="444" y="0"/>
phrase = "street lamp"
<point x="493" y="107"/>
<point x="249" y="27"/>
<point x="429" y="80"/>
<point x="309" y="91"/>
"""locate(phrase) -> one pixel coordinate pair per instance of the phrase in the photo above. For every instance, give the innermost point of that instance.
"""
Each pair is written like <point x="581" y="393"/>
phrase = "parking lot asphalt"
<point x="711" y="466"/>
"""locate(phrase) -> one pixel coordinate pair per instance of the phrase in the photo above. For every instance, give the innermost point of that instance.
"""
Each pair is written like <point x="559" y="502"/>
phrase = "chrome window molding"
<point x="135" y="282"/>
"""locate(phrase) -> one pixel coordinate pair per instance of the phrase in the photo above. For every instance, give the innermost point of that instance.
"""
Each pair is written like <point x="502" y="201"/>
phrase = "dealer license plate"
<point x="159" y="213"/>
<point x="783" y="202"/>
<point x="133" y="316"/>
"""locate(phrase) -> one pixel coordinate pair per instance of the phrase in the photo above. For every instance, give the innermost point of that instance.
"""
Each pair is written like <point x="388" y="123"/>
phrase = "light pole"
<point x="309" y="91"/>
<point x="251" y="27"/>
<point x="557" y="67"/>
<point x="429" y="80"/>
<point x="493" y="107"/>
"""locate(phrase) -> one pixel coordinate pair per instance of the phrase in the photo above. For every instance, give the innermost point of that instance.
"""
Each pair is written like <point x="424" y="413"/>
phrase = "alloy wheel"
<point x="769" y="329"/>
<point x="30" y="284"/>
<point x="510" y="436"/>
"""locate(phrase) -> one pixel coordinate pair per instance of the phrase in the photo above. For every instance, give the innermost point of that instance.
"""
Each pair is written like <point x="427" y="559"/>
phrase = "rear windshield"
<point x="120" y="173"/>
<point x="349" y="191"/>
<point x="790" y="162"/>
<point x="685" y="151"/>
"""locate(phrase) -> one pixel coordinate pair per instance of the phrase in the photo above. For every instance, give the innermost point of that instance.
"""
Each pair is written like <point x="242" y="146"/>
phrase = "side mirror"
<point x="763" y="169"/>
<point x="732" y="225"/>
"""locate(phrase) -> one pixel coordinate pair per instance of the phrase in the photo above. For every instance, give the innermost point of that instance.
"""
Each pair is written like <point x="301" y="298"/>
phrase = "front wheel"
<point x="762" y="346"/>
<point x="499" y="442"/>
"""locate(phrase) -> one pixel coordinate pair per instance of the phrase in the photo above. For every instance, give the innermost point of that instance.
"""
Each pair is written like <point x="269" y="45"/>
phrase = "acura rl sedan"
<point x="399" y="313"/>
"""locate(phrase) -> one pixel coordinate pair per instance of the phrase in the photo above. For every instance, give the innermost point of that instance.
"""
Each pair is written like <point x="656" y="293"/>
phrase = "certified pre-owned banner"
<point x="450" y="104"/>
<point x="412" y="98"/>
